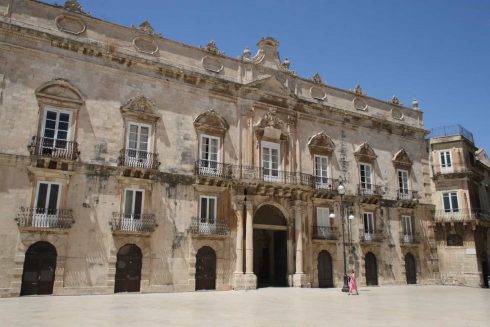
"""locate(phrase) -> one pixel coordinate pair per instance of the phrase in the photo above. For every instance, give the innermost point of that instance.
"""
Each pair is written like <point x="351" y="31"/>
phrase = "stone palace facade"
<point x="131" y="162"/>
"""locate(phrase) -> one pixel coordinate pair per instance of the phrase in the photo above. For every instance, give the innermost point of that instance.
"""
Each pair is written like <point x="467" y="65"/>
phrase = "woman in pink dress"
<point x="352" y="283"/>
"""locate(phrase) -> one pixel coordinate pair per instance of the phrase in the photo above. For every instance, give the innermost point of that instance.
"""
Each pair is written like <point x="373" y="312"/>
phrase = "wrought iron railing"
<point x="53" y="148"/>
<point x="409" y="239"/>
<point x="138" y="159"/>
<point x="367" y="189"/>
<point x="322" y="183"/>
<point x="450" y="131"/>
<point x="213" y="169"/>
<point x="455" y="168"/>
<point x="144" y="223"/>
<point x="44" y="218"/>
<point x="461" y="215"/>
<point x="203" y="227"/>
<point x="371" y="236"/>
<point x="325" y="233"/>
<point x="407" y="195"/>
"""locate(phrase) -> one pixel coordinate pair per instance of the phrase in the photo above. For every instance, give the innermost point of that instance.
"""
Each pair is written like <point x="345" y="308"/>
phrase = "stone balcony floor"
<point x="375" y="306"/>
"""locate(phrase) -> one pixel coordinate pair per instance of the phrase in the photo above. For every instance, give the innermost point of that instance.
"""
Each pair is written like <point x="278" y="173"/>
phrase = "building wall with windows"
<point x="149" y="165"/>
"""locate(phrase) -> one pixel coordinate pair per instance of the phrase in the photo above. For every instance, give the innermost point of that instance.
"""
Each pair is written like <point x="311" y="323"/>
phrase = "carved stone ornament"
<point x="211" y="122"/>
<point x="395" y="100"/>
<point x="212" y="48"/>
<point x="272" y="127"/>
<point x="70" y="24"/>
<point x="59" y="90"/>
<point x="321" y="143"/>
<point x="318" y="93"/>
<point x="402" y="160"/>
<point x="74" y="6"/>
<point x="145" y="44"/>
<point x="146" y="28"/>
<point x="358" y="90"/>
<point x="365" y="153"/>
<point x="360" y="104"/>
<point x="397" y="114"/>
<point x="317" y="79"/>
<point x="212" y="64"/>
<point x="140" y="106"/>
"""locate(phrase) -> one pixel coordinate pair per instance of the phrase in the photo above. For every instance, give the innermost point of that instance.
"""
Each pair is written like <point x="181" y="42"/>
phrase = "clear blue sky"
<point x="437" y="51"/>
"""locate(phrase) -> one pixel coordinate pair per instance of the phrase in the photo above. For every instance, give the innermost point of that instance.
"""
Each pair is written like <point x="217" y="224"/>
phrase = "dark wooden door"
<point x="371" y="269"/>
<point x="325" y="275"/>
<point x="39" y="269"/>
<point x="410" y="269"/>
<point x="128" y="269"/>
<point x="205" y="269"/>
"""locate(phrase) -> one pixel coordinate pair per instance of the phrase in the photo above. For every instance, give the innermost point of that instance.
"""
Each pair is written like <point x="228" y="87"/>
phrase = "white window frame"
<point x="132" y="214"/>
<point x="205" y="220"/>
<point x="55" y="136"/>
<point x="142" y="156"/>
<point x="42" y="218"/>
<point x="272" y="146"/>
<point x="369" y="228"/>
<point x="368" y="186"/>
<point x="322" y="182"/>
<point x="403" y="193"/>
<point x="446" y="167"/>
<point x="407" y="228"/>
<point x="206" y="165"/>
<point x="454" y="213"/>
<point x="323" y="217"/>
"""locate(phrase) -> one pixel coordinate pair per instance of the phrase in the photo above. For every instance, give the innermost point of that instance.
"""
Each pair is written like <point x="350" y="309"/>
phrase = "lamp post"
<point x="341" y="191"/>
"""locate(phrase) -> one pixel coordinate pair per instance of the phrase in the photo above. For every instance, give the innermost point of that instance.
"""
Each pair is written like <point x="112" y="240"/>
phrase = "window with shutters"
<point x="403" y="187"/>
<point x="321" y="173"/>
<point x="407" y="228"/>
<point x="450" y="202"/>
<point x="365" y="172"/>
<point x="207" y="210"/>
<point x="270" y="161"/>
<point x="138" y="145"/>
<point x="209" y="155"/>
<point x="368" y="219"/>
<point x="133" y="203"/>
<point x="446" y="161"/>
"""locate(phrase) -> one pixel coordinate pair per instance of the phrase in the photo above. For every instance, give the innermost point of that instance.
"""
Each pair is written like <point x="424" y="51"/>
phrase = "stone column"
<point x="251" y="279"/>
<point x="238" y="276"/>
<point x="299" y="278"/>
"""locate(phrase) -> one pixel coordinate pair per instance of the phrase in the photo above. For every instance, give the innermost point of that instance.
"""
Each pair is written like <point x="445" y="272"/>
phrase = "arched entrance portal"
<point x="325" y="276"/>
<point x="205" y="269"/>
<point x="410" y="269"/>
<point x="371" y="269"/>
<point x="128" y="269"/>
<point x="270" y="247"/>
<point x="39" y="269"/>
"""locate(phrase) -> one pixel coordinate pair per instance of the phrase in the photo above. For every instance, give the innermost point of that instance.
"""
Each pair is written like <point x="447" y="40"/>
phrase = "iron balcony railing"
<point x="450" y="131"/>
<point x="407" y="195"/>
<point x="409" y="239"/>
<point x="142" y="223"/>
<point x="45" y="218"/>
<point x="371" y="236"/>
<point x="53" y="148"/>
<point x="205" y="227"/>
<point x="325" y="233"/>
<point x="322" y="183"/>
<point x="213" y="169"/>
<point x="367" y="189"/>
<point x="138" y="159"/>
<point x="461" y="215"/>
<point x="454" y="168"/>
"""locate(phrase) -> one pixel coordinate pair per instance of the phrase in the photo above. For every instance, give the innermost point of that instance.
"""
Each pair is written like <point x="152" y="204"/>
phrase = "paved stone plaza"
<point x="379" y="306"/>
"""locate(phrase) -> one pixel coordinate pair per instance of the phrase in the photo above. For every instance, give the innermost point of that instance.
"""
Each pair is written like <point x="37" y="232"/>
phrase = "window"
<point x="56" y="130"/>
<point x="138" y="144"/>
<point x="365" y="173"/>
<point x="133" y="203"/>
<point x="368" y="226"/>
<point x="407" y="229"/>
<point x="47" y="204"/>
<point x="323" y="217"/>
<point x="403" y="184"/>
<point x="209" y="155"/>
<point x="208" y="210"/>
<point x="446" y="161"/>
<point x="450" y="202"/>
<point x="270" y="161"/>
<point x="321" y="172"/>
<point x="454" y="240"/>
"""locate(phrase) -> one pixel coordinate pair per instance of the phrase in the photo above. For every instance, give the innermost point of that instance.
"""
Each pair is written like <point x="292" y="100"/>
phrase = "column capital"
<point x="249" y="205"/>
<point x="239" y="202"/>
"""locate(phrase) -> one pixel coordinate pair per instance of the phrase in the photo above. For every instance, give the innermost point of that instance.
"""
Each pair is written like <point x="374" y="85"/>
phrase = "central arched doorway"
<point x="410" y="269"/>
<point x="128" y="269"/>
<point x="371" y="269"/>
<point x="270" y="247"/>
<point x="205" y="269"/>
<point x="39" y="269"/>
<point x="325" y="275"/>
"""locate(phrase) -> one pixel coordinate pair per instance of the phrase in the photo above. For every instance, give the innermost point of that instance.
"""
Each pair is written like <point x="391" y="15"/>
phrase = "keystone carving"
<point x="271" y="126"/>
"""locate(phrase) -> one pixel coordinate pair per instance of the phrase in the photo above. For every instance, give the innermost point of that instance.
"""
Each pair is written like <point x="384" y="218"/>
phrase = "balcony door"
<point x="446" y="161"/>
<point x="321" y="173"/>
<point x="403" y="184"/>
<point x="39" y="269"/>
<point x="133" y="209"/>
<point x="365" y="172"/>
<point x="207" y="219"/>
<point x="407" y="229"/>
<point x="138" y="145"/>
<point x="47" y="205"/>
<point x="56" y="131"/>
<point x="368" y="226"/>
<point x="209" y="155"/>
<point x="270" y="161"/>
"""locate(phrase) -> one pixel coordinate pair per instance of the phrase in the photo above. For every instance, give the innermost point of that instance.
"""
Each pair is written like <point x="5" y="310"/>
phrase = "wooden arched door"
<point x="205" y="269"/>
<point x="371" y="269"/>
<point x="410" y="269"/>
<point x="325" y="275"/>
<point x="128" y="269"/>
<point x="39" y="269"/>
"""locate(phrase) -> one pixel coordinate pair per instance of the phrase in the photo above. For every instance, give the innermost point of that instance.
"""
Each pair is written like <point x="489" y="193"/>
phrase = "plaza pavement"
<point x="375" y="306"/>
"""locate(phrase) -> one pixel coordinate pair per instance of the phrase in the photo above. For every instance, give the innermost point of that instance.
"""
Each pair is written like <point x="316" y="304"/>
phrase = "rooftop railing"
<point x="450" y="131"/>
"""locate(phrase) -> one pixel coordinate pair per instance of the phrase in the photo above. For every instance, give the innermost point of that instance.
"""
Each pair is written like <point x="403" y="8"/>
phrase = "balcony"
<point x="369" y="193"/>
<point x="409" y="239"/>
<point x="407" y="198"/>
<point x="44" y="218"/>
<point x="325" y="233"/>
<point x="202" y="228"/>
<point x="213" y="169"/>
<point x="138" y="159"/>
<point x="122" y="223"/>
<point x="461" y="216"/>
<point x="371" y="237"/>
<point x="53" y="148"/>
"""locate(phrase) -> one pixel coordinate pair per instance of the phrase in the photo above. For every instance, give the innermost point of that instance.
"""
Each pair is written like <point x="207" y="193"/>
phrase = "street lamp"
<point x="341" y="191"/>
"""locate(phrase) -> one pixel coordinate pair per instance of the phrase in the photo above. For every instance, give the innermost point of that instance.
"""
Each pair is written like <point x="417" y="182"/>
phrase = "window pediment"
<point x="365" y="153"/>
<point x="211" y="122"/>
<point x="401" y="159"/>
<point x="272" y="127"/>
<point x="321" y="143"/>
<point x="59" y="91"/>
<point x="140" y="107"/>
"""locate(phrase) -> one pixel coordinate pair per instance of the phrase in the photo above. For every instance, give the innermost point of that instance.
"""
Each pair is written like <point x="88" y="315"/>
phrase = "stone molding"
<point x="59" y="90"/>
<point x="321" y="143"/>
<point x="402" y="160"/>
<point x="271" y="126"/>
<point x="70" y="24"/>
<point x="211" y="122"/>
<point x="365" y="153"/>
<point x="140" y="107"/>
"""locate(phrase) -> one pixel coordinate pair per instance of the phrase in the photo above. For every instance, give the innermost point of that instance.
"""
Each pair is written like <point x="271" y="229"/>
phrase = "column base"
<point x="239" y="281"/>
<point x="301" y="280"/>
<point x="250" y="281"/>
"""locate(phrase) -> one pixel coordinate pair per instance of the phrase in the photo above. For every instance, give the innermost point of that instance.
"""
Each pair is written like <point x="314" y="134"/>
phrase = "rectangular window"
<point x="407" y="229"/>
<point x="323" y="217"/>
<point x="403" y="184"/>
<point x="366" y="177"/>
<point x="138" y="144"/>
<point x="446" y="161"/>
<point x="368" y="226"/>
<point x="133" y="203"/>
<point x="46" y="205"/>
<point x="209" y="154"/>
<point x="56" y="130"/>
<point x="450" y="202"/>
<point x="270" y="161"/>
<point x="208" y="210"/>
<point x="321" y="172"/>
